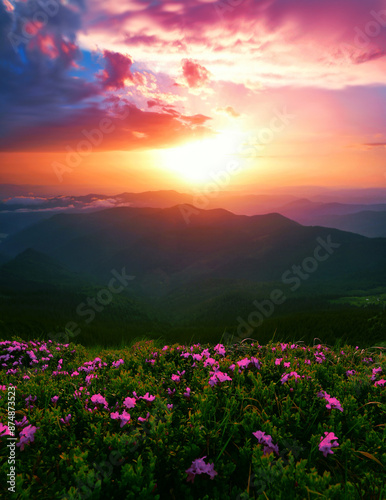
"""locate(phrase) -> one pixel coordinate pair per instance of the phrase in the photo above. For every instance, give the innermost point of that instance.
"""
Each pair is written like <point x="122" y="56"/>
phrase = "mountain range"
<point x="185" y="269"/>
<point x="367" y="219"/>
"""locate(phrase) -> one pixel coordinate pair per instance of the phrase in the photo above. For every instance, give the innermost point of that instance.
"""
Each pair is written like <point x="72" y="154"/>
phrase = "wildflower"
<point x="170" y="406"/>
<point x="97" y="398"/>
<point x="331" y="402"/>
<point x="124" y="418"/>
<point x="210" y="361"/>
<point x="187" y="392"/>
<point x="26" y="377"/>
<point x="328" y="442"/>
<point x="278" y="361"/>
<point x="200" y="467"/>
<point x="287" y="364"/>
<point x="22" y="422"/>
<point x="54" y="399"/>
<point x="269" y="447"/>
<point x="4" y="430"/>
<point x="286" y="376"/>
<point x="141" y="419"/>
<point x="29" y="400"/>
<point x="27" y="436"/>
<point x="375" y="371"/>
<point x="171" y="392"/>
<point x="380" y="382"/>
<point x="220" y="349"/>
<point x="146" y="397"/>
<point x="129" y="402"/>
<point x="117" y="363"/>
<point x="218" y="377"/>
<point x="66" y="420"/>
<point x="256" y="362"/>
<point x="243" y="363"/>
<point x="307" y="361"/>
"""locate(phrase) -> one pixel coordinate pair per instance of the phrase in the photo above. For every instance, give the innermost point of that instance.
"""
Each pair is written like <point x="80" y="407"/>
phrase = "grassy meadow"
<point x="231" y="420"/>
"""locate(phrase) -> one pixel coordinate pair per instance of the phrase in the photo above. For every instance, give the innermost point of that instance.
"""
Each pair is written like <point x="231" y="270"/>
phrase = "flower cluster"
<point x="327" y="442"/>
<point x="266" y="440"/>
<point x="200" y="467"/>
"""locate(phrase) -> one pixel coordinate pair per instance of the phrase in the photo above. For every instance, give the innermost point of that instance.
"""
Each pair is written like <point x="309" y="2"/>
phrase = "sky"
<point x="141" y="95"/>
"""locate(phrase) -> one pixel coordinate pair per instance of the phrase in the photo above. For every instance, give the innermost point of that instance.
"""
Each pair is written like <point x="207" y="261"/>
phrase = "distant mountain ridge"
<point x="20" y="212"/>
<point x="214" y="244"/>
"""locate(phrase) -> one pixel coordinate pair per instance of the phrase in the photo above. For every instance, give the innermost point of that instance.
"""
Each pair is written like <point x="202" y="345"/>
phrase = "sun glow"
<point x="197" y="161"/>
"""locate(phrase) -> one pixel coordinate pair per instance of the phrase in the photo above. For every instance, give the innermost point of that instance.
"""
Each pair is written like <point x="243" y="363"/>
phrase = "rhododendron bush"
<point x="238" y="421"/>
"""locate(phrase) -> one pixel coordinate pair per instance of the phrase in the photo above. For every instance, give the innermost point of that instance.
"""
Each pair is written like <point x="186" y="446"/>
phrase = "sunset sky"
<point x="137" y="95"/>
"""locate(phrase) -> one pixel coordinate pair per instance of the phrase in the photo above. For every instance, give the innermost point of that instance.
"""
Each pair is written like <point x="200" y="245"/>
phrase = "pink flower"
<point x="117" y="363"/>
<point x="66" y="420"/>
<point x="326" y="443"/>
<point x="286" y="376"/>
<point x="97" y="398"/>
<point x="256" y="362"/>
<point x="278" y="361"/>
<point x="210" y="361"/>
<point x="218" y="377"/>
<point x="187" y="392"/>
<point x="146" y="397"/>
<point x="124" y="417"/>
<point x="375" y="372"/>
<point x="129" y="402"/>
<point x="141" y="419"/>
<point x="269" y="447"/>
<point x="170" y="406"/>
<point x="4" y="430"/>
<point x="200" y="467"/>
<point x="380" y="382"/>
<point x="333" y="403"/>
<point x="54" y="399"/>
<point x="220" y="349"/>
<point x="27" y="436"/>
<point x="287" y="364"/>
<point x="22" y="422"/>
<point x="243" y="363"/>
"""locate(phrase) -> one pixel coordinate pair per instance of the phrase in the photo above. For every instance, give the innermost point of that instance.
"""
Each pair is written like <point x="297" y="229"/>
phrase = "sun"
<point x="197" y="161"/>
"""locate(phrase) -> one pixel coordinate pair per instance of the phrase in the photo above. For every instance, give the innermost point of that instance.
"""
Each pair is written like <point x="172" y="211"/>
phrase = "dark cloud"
<point x="117" y="70"/>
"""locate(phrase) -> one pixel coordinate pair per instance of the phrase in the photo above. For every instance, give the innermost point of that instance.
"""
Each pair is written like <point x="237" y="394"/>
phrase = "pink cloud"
<point x="195" y="74"/>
